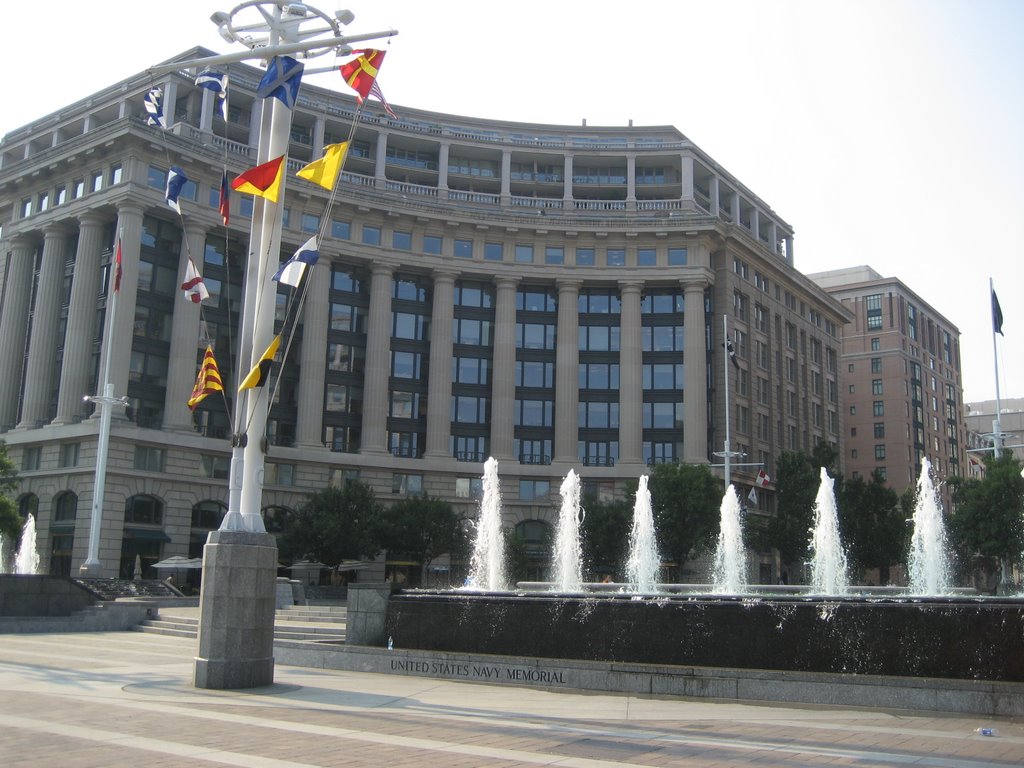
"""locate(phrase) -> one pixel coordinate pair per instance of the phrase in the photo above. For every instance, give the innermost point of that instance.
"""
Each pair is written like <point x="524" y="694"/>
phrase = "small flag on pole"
<point x="762" y="479"/>
<point x="176" y="179"/>
<point x="997" y="315"/>
<point x="218" y="83"/>
<point x="154" y="106"/>
<point x="263" y="180"/>
<point x="732" y="353"/>
<point x="194" y="287"/>
<point x="260" y="373"/>
<point x="752" y="496"/>
<point x="362" y="71"/>
<point x="378" y="94"/>
<point x="324" y="171"/>
<point x="225" y="199"/>
<point x="284" y="75"/>
<point x="117" y="266"/>
<point x="291" y="271"/>
<point x="208" y="380"/>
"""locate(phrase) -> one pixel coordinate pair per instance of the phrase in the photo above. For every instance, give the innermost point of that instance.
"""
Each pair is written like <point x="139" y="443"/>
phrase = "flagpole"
<point x="105" y="402"/>
<point x="997" y="432"/>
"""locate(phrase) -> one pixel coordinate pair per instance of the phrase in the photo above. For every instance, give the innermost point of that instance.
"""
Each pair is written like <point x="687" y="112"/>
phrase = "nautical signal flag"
<point x="117" y="266"/>
<point x="284" y="75"/>
<point x="261" y="371"/>
<point x="194" y="287"/>
<point x="218" y="83"/>
<point x="762" y="479"/>
<point x="176" y="179"/>
<point x="325" y="170"/>
<point x="752" y="496"/>
<point x="154" y="106"/>
<point x="997" y="315"/>
<point x="732" y="353"/>
<point x="291" y="271"/>
<point x="225" y="199"/>
<point x="208" y="380"/>
<point x="362" y="71"/>
<point x="263" y="180"/>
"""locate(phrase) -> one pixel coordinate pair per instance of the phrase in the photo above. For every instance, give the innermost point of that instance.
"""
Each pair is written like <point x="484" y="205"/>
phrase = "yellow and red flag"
<point x="263" y="180"/>
<point x="208" y="380"/>
<point x="362" y="71"/>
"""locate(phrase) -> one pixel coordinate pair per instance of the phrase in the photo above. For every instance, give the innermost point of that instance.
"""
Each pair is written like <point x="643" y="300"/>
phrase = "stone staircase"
<point x="310" y="623"/>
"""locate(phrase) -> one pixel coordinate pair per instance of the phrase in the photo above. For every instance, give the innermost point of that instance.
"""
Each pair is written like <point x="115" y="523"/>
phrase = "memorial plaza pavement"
<point x="125" y="698"/>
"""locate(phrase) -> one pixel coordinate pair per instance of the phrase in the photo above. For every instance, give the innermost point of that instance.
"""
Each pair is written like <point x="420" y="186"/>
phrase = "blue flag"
<point x="282" y="80"/>
<point x="218" y="83"/>
<point x="176" y="179"/>
<point x="291" y="271"/>
<point x="154" y="104"/>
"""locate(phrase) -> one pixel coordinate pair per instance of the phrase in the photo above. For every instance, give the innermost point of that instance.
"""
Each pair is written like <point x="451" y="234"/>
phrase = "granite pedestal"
<point x="237" y="602"/>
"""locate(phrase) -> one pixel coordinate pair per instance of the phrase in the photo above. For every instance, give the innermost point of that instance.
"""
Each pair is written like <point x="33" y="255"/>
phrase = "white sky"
<point x="886" y="132"/>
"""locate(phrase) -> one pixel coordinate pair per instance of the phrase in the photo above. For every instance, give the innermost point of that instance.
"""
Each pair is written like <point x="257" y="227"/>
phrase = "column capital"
<point x="695" y="283"/>
<point x="567" y="284"/>
<point x="507" y="281"/>
<point x="129" y="207"/>
<point x="24" y="240"/>
<point x="56" y="229"/>
<point x="631" y="286"/>
<point x="92" y="218"/>
<point x="445" y="274"/>
<point x="379" y="268"/>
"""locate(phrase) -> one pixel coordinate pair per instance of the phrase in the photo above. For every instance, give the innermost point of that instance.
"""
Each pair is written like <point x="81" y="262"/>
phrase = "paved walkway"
<point x="125" y="699"/>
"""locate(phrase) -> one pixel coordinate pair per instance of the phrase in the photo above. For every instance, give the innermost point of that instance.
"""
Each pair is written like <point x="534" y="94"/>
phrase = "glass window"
<point x="464" y="249"/>
<point x="216" y="467"/>
<point x="77" y="188"/>
<point x="585" y="257"/>
<point x="310" y="222"/>
<point x="97" y="181"/>
<point x="30" y="458"/>
<point x="646" y="257"/>
<point x="677" y="257"/>
<point x="340" y="229"/>
<point x="431" y="244"/>
<point x="410" y="485"/>
<point x="494" y="251"/>
<point x="156" y="178"/>
<point x="69" y="455"/>
<point x="149" y="459"/>
<point x="371" y="235"/>
<point x="616" y="257"/>
<point x="524" y="254"/>
<point x="534" y="490"/>
<point x="116" y="173"/>
<point x="145" y="510"/>
<point x="554" y="254"/>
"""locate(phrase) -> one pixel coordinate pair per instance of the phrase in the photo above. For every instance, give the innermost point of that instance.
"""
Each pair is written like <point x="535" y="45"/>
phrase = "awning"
<point x="146" y="534"/>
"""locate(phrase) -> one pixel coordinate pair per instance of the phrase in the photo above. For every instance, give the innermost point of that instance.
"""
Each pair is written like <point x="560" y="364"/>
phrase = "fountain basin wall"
<point x="24" y="595"/>
<point x="959" y="638"/>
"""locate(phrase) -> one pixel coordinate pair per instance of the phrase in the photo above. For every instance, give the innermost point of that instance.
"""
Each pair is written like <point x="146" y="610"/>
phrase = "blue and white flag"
<point x="218" y="83"/>
<point x="291" y="271"/>
<point x="282" y="80"/>
<point x="176" y="179"/>
<point x="154" y="104"/>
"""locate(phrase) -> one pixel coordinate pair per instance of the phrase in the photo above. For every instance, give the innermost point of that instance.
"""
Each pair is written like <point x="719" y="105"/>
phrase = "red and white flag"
<point x="762" y="479"/>
<point x="194" y="287"/>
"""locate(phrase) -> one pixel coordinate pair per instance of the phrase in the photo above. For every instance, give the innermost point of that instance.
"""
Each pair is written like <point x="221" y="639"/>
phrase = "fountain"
<point x="828" y="560"/>
<point x="487" y="565"/>
<point x="26" y="561"/>
<point x="928" y="560"/>
<point x="568" y="557"/>
<point x="3" y="554"/>
<point x="739" y="627"/>
<point x="644" y="561"/>
<point x="730" y="570"/>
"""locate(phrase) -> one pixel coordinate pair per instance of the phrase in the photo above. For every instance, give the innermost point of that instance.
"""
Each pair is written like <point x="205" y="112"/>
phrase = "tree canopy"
<point x="10" y="521"/>
<point x="420" y="527"/>
<point x="873" y="525"/>
<point x="605" y="533"/>
<point x="334" y="524"/>
<point x="685" y="499"/>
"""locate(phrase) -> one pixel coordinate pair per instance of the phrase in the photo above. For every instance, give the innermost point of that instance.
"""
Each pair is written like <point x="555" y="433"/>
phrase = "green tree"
<point x="420" y="528"/>
<point x="988" y="521"/>
<point x="685" y="499"/>
<point x="334" y="524"/>
<point x="873" y="525"/>
<point x="10" y="521"/>
<point x="796" y="482"/>
<point x="605" y="533"/>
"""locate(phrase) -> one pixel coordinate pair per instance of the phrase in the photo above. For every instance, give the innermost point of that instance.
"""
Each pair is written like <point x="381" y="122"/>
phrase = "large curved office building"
<point x="551" y="296"/>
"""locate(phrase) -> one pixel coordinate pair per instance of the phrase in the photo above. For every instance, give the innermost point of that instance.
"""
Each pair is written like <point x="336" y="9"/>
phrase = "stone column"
<point x="42" y="345"/>
<point x="378" y="363"/>
<point x="255" y="119"/>
<point x="567" y="181"/>
<point x="567" y="387"/>
<point x="631" y="393"/>
<point x="181" y="368"/>
<point x="714" y="192"/>
<point x="117" y="342"/>
<point x="503" y="370"/>
<point x="755" y="224"/>
<point x="76" y="373"/>
<point x="695" y="391"/>
<point x="439" y="384"/>
<point x="686" y="178"/>
<point x="319" y="124"/>
<point x="380" y="166"/>
<point x="309" y="430"/>
<point x="13" y="324"/>
<point x="206" y="110"/>
<point x="506" y="177"/>
<point x="631" y="181"/>
<point x="442" y="168"/>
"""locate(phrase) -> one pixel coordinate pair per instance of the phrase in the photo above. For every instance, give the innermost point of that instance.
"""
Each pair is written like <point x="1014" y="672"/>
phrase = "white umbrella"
<point x="180" y="562"/>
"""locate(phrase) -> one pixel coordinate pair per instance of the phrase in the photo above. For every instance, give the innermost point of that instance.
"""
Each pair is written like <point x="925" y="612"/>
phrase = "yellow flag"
<point x="325" y="170"/>
<point x="261" y="371"/>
